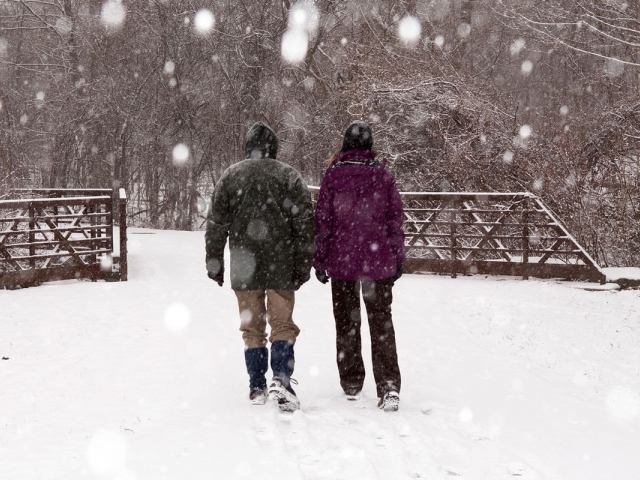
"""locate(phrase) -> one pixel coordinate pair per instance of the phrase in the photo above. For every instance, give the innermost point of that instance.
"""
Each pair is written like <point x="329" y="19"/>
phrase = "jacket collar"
<point x="355" y="157"/>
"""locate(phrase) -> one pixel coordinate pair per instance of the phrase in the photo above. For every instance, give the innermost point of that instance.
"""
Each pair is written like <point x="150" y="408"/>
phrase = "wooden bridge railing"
<point x="491" y="233"/>
<point x="60" y="234"/>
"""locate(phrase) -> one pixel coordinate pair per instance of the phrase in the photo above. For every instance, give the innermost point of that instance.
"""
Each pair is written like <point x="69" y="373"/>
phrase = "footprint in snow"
<point x="265" y="431"/>
<point x="382" y="439"/>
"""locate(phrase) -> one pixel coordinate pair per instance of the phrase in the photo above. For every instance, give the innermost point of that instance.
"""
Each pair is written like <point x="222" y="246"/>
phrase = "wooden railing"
<point x="491" y="233"/>
<point x="60" y="234"/>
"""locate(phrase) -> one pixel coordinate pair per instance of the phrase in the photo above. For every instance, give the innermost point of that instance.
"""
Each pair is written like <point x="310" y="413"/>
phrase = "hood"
<point x="261" y="142"/>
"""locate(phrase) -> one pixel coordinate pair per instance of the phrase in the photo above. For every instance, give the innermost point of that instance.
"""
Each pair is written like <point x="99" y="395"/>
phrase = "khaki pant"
<point x="257" y="307"/>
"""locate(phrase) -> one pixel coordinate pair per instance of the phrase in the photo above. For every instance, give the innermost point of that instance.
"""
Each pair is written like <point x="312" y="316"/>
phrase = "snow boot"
<point x="390" y="401"/>
<point x="257" y="360"/>
<point x="284" y="396"/>
<point x="352" y="393"/>
<point x="352" y="397"/>
<point x="282" y="364"/>
<point x="258" y="396"/>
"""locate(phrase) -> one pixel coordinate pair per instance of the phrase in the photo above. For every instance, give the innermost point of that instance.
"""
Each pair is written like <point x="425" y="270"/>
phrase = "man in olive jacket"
<point x="264" y="207"/>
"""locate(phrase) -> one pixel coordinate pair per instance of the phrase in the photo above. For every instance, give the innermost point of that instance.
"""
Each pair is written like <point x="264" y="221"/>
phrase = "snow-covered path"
<point x="145" y="380"/>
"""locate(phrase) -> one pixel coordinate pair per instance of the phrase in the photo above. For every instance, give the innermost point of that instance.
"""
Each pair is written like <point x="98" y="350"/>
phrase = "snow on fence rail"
<point x="60" y="234"/>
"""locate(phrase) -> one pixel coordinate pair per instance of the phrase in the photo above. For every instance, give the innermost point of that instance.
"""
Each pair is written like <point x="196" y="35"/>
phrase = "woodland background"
<point x="491" y="95"/>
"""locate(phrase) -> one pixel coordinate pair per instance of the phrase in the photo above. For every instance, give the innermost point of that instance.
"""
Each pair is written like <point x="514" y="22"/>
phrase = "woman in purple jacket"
<point x="360" y="246"/>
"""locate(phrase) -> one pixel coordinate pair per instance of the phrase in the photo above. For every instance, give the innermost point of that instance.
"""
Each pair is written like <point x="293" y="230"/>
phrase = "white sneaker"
<point x="390" y="401"/>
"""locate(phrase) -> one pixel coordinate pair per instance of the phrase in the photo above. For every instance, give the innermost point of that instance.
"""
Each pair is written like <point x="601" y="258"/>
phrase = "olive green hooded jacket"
<point x="264" y="208"/>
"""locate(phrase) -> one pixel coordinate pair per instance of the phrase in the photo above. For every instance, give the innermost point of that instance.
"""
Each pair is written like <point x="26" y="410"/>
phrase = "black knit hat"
<point x="261" y="142"/>
<point x="358" y="136"/>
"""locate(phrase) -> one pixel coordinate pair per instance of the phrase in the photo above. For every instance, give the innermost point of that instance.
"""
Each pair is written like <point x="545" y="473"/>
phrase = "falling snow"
<point x="294" y="46"/>
<point x="502" y="378"/>
<point x="517" y="46"/>
<point x="525" y="131"/>
<point x="113" y="13"/>
<point x="464" y="30"/>
<point x="180" y="154"/>
<point x="409" y="30"/>
<point x="106" y="262"/>
<point x="177" y="317"/>
<point x="63" y="25"/>
<point x="302" y="23"/>
<point x="204" y="21"/>
<point x="537" y="185"/>
<point x="613" y="67"/>
<point x="169" y="67"/>
<point x="304" y="15"/>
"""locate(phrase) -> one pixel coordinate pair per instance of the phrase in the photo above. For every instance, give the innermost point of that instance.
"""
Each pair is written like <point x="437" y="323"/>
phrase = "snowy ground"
<point x="143" y="380"/>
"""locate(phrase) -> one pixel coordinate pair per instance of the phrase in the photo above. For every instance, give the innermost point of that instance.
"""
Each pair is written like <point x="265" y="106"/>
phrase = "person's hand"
<point x="397" y="275"/>
<point x="299" y="279"/>
<point x="322" y="276"/>
<point x="217" y="277"/>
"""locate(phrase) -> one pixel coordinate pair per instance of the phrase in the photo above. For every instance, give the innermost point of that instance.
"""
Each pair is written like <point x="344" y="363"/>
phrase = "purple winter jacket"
<point x="358" y="220"/>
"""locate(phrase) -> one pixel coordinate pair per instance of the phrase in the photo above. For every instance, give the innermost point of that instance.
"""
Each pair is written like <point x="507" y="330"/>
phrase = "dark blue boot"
<point x="257" y="360"/>
<point x="282" y="364"/>
<point x="282" y="361"/>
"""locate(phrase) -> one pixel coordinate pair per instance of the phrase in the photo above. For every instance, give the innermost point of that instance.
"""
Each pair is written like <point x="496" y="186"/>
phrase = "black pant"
<point x="346" y="311"/>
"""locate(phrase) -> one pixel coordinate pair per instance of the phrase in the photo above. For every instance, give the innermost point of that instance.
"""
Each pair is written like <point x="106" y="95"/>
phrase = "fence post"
<point x="32" y="237"/>
<point x="122" y="202"/>
<point x="525" y="240"/>
<point x="452" y="219"/>
<point x="95" y="243"/>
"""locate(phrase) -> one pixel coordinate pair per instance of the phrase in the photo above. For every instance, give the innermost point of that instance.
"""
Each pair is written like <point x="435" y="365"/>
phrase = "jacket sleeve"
<point x="302" y="229"/>
<point x="395" y="218"/>
<point x="218" y="224"/>
<point x="324" y="222"/>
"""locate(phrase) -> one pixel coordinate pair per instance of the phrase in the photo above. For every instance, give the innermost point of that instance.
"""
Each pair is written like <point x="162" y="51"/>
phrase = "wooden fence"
<point x="491" y="233"/>
<point x="61" y="234"/>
